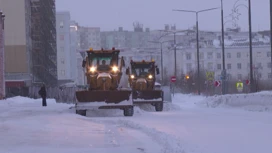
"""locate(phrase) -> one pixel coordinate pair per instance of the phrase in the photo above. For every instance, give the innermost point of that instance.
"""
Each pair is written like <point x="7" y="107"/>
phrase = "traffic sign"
<point x="173" y="79"/>
<point x="247" y="82"/>
<point x="217" y="83"/>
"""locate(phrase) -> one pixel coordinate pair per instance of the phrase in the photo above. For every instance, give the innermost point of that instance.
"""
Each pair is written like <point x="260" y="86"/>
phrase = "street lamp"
<point x="158" y="42"/>
<point x="250" y="47"/>
<point x="271" y="34"/>
<point x="197" y="40"/>
<point x="223" y="75"/>
<point x="175" y="46"/>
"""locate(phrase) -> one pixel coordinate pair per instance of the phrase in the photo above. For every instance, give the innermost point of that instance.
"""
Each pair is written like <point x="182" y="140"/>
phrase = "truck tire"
<point x="81" y="112"/>
<point x="129" y="111"/>
<point x="159" y="107"/>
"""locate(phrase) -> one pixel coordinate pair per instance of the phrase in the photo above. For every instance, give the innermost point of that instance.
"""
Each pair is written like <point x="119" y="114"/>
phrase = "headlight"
<point x="115" y="68"/>
<point x="92" y="69"/>
<point x="150" y="76"/>
<point x="132" y="76"/>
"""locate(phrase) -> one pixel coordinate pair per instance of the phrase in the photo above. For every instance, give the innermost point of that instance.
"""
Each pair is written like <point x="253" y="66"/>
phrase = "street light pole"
<point x="161" y="43"/>
<point x="175" y="54"/>
<point x="223" y="75"/>
<point x="197" y="55"/>
<point x="197" y="40"/>
<point x="252" y="83"/>
<point x="271" y="35"/>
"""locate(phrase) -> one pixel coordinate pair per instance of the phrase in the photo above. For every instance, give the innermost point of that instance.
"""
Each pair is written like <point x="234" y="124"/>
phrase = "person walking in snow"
<point x="42" y="93"/>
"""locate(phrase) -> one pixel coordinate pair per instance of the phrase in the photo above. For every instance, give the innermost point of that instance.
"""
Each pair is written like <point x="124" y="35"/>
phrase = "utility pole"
<point x="271" y="35"/>
<point x="223" y="75"/>
<point x="197" y="40"/>
<point x="197" y="55"/>
<point x="175" y="54"/>
<point x="252" y="82"/>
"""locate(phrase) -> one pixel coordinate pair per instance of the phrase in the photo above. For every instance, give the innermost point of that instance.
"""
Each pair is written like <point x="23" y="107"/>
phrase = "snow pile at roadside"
<point x="261" y="101"/>
<point x="28" y="106"/>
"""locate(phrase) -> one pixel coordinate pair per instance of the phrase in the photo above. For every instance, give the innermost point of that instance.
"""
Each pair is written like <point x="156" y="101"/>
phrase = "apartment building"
<point x="2" y="59"/>
<point x="63" y="47"/>
<point x="18" y="53"/>
<point x="90" y="37"/>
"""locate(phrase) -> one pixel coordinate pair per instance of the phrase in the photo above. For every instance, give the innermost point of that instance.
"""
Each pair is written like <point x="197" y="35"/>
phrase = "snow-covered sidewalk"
<point x="27" y="127"/>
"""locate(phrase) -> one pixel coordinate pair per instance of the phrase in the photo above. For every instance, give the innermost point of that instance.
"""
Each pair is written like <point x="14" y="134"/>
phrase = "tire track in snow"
<point x="169" y="143"/>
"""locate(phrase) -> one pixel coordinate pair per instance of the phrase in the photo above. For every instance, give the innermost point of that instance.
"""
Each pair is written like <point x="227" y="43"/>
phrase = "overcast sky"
<point x="154" y="14"/>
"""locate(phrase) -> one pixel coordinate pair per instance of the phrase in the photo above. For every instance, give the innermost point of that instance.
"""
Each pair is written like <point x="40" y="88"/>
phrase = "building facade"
<point x="90" y="38"/>
<point x="76" y="58"/>
<point x="18" y="72"/>
<point x="126" y="39"/>
<point x="2" y="59"/>
<point x="63" y="47"/>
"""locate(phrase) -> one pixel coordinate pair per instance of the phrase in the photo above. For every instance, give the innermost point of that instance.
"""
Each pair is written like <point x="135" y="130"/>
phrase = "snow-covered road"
<point x="187" y="126"/>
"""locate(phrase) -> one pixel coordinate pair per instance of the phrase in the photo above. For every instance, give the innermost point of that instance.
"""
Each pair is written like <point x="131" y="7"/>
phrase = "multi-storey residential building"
<point x="74" y="46"/>
<point x="126" y="39"/>
<point x="63" y="47"/>
<point x="236" y="56"/>
<point x="76" y="58"/>
<point x="2" y="59"/>
<point x="90" y="37"/>
<point x="18" y="72"/>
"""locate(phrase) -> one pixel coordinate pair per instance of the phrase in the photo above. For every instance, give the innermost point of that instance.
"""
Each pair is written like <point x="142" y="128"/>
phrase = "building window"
<point x="228" y="66"/>
<point x="210" y="66"/>
<point x="259" y="75"/>
<point x="239" y="76"/>
<point x="238" y="55"/>
<point x="269" y="76"/>
<point x="268" y="54"/>
<point x="218" y="66"/>
<point x="218" y="55"/>
<point x="201" y="55"/>
<point x="228" y="55"/>
<point x="62" y="49"/>
<point x="210" y="55"/>
<point x="188" y="56"/>
<point x="61" y="24"/>
<point x="61" y="37"/>
<point x="259" y="66"/>
<point x="229" y="77"/>
<point x="189" y="66"/>
<point x="62" y="61"/>
<point x="63" y="72"/>
<point x="269" y="65"/>
<point x="239" y="66"/>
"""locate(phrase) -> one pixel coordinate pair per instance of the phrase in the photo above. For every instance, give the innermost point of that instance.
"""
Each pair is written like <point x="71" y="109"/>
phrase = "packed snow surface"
<point x="239" y="123"/>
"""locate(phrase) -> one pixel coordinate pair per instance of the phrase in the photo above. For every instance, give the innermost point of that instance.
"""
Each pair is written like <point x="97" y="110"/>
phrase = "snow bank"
<point x="261" y="101"/>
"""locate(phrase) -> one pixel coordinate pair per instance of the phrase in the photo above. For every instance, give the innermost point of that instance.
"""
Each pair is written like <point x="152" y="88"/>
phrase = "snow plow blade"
<point x="147" y="97"/>
<point x="103" y="96"/>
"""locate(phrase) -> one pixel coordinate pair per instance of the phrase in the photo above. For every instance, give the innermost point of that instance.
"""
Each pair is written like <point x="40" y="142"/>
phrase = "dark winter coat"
<point x="42" y="92"/>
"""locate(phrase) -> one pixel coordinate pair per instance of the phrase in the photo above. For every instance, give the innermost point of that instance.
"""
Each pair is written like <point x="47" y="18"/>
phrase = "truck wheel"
<point x="129" y="111"/>
<point x="81" y="112"/>
<point x="159" y="107"/>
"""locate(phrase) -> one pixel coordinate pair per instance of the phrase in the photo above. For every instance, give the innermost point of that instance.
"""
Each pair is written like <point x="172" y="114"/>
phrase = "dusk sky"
<point x="154" y="14"/>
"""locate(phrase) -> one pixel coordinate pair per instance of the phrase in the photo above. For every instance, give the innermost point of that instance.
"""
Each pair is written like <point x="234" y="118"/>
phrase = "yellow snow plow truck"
<point x="103" y="73"/>
<point x="142" y="78"/>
